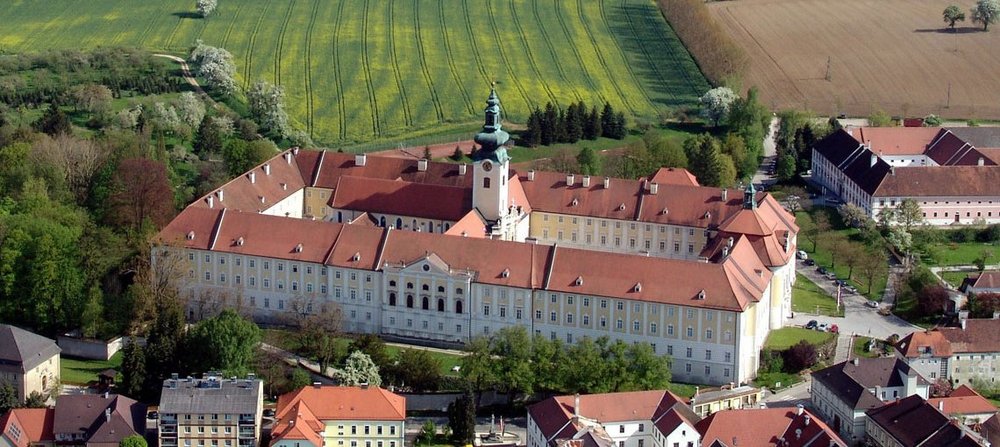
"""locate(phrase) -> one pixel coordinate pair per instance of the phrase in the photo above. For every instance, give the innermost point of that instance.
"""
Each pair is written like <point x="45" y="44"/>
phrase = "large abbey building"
<point x="442" y="252"/>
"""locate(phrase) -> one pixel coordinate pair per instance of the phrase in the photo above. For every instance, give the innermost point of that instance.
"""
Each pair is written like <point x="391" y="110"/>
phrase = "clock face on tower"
<point x="487" y="166"/>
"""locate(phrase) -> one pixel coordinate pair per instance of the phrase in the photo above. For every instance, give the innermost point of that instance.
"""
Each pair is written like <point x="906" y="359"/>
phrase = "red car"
<point x="834" y="329"/>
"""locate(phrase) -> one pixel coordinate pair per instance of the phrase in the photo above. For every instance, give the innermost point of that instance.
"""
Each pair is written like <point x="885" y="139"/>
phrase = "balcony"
<point x="246" y="432"/>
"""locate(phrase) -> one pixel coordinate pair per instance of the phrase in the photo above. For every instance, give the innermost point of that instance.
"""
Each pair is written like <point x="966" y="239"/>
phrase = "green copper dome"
<point x="492" y="138"/>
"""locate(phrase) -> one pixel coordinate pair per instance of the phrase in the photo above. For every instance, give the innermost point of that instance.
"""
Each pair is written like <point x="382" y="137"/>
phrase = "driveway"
<point x="858" y="319"/>
<point x="770" y="154"/>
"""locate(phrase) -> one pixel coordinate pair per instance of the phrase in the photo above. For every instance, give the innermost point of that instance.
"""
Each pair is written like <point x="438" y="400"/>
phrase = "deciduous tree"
<point x="800" y="356"/>
<point x="716" y="103"/>
<point x="909" y="214"/>
<point x="418" y="369"/>
<point x="359" y="369"/>
<point x="986" y="12"/>
<point x="588" y="161"/>
<point x="953" y="14"/>
<point x="205" y="8"/>
<point x="8" y="397"/>
<point x="932" y="299"/>
<point x="226" y="342"/>
<point x="142" y="194"/>
<point x="477" y="365"/>
<point x="216" y="66"/>
<point x="267" y="107"/>
<point x="133" y="441"/>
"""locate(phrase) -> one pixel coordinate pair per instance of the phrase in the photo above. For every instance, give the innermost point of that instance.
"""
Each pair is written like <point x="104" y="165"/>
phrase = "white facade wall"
<point x="393" y="220"/>
<point x="848" y="422"/>
<point x="290" y="206"/>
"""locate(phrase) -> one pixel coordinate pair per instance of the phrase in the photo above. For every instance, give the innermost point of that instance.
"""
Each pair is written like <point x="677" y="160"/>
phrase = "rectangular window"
<point x="518" y="313"/>
<point x="486" y="310"/>
<point x="688" y="352"/>
<point x="708" y="354"/>
<point x="503" y="311"/>
<point x="604" y="304"/>
<point x="619" y="324"/>
<point x="538" y="314"/>
<point x="652" y="328"/>
<point x="586" y="320"/>
<point x="552" y="316"/>
<point x="690" y="331"/>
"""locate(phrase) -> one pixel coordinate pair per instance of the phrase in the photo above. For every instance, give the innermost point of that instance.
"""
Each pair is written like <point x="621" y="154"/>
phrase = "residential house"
<point x="842" y="393"/>
<point x="965" y="405"/>
<point x="97" y="420"/>
<point x="28" y="362"/>
<point x="961" y="354"/>
<point x="912" y="422"/>
<point x="983" y="282"/>
<point x="210" y="412"/>
<point x="767" y="427"/>
<point x="27" y="427"/>
<point x="339" y="416"/>
<point x="629" y="419"/>
<point x="705" y="403"/>
<point x="948" y="171"/>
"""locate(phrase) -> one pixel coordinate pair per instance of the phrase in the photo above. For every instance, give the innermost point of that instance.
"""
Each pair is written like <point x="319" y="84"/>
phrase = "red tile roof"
<point x="673" y="176"/>
<point x="963" y="403"/>
<point x="329" y="402"/>
<point x="33" y="425"/>
<point x="987" y="280"/>
<point x="471" y="225"/>
<point x="261" y="187"/>
<point x="765" y="427"/>
<point x="981" y="335"/>
<point x="401" y="198"/>
<point x="895" y="140"/>
<point x="932" y="342"/>
<point x="554" y="416"/>
<point x="335" y="165"/>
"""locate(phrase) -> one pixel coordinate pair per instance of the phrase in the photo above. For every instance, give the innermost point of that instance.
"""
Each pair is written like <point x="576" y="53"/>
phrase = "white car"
<point x="823" y="327"/>
<point x="801" y="254"/>
<point x="872" y="304"/>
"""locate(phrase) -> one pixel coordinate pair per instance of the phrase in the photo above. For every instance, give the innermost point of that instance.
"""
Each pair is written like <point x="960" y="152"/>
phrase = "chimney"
<point x="422" y="165"/>
<point x="267" y="168"/>
<point x="725" y="194"/>
<point x="996" y="315"/>
<point x="107" y="414"/>
<point x="799" y="409"/>
<point x="586" y="181"/>
<point x="569" y="179"/>
<point x="654" y="188"/>
<point x="963" y="318"/>
<point x="808" y="420"/>
<point x="252" y="176"/>
<point x="211" y="201"/>
<point x="855" y="361"/>
<point x="878" y="392"/>
<point x="730" y="241"/>
<point x="295" y="150"/>
<point x="462" y="169"/>
<point x="911" y="383"/>
<point x="981" y="161"/>
<point x="874" y="160"/>
<point x="220" y="194"/>
<point x="725" y="252"/>
<point x="288" y="157"/>
<point x="892" y="170"/>
<point x="360" y="159"/>
<point x="607" y="182"/>
<point x="106" y="394"/>
<point x="576" y="406"/>
<point x="941" y="405"/>
<point x="531" y="176"/>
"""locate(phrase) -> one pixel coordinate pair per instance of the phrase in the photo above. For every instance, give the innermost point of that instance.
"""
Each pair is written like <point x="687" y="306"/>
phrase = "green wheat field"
<point x="367" y="70"/>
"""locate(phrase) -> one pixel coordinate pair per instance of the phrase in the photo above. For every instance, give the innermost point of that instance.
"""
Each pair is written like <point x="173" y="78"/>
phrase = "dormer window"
<point x="298" y="248"/>
<point x="356" y="257"/>
<point x="190" y="235"/>
<point x="505" y="273"/>
<point x="579" y="281"/>
<point x="701" y="294"/>
<point x="240" y="241"/>
<point x="637" y="288"/>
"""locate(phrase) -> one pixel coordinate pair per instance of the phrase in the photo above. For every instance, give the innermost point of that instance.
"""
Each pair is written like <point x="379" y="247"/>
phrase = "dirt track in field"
<point x="891" y="55"/>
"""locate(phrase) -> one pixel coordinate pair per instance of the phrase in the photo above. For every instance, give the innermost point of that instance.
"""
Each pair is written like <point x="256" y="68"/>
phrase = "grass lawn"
<point x="860" y="347"/>
<point x="286" y="339"/>
<point x="955" y="278"/>
<point x="775" y="381"/>
<point x="685" y="390"/>
<point x="823" y="256"/>
<point x="807" y="298"/>
<point x="788" y="336"/>
<point x="82" y="372"/>
<point x="965" y="253"/>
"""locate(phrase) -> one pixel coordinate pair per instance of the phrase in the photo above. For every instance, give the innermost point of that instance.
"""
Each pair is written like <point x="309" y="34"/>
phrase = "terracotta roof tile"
<point x="554" y="416"/>
<point x="987" y="280"/>
<point x="345" y="403"/>
<point x="963" y="404"/>
<point x="272" y="181"/>
<point x="673" y="176"/>
<point x="277" y="237"/>
<point x="336" y="165"/>
<point x="979" y="336"/>
<point x="471" y="225"/>
<point x="932" y="342"/>
<point x="420" y="200"/>
<point x="764" y="427"/>
<point x="192" y="228"/>
<point x="896" y="140"/>
<point x="548" y="192"/>
<point x="34" y="425"/>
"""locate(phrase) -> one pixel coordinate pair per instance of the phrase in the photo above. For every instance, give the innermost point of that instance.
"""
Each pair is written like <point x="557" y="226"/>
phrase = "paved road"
<point x="770" y="154"/>
<point x="858" y="318"/>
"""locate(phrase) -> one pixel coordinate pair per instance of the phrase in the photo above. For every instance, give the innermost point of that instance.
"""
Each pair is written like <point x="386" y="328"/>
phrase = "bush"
<point x="771" y="361"/>
<point x="800" y="356"/>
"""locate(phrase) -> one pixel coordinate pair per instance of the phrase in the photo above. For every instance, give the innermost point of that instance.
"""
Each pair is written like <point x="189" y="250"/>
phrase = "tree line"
<point x="555" y="125"/>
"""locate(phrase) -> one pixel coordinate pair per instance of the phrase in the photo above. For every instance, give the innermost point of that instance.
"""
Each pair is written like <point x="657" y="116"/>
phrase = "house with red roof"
<point x="442" y="252"/>
<point x="959" y="354"/>
<point x="629" y="419"/>
<point x="767" y="427"/>
<point x="966" y="405"/>
<point x="952" y="173"/>
<point x="336" y="416"/>
<point x="24" y="427"/>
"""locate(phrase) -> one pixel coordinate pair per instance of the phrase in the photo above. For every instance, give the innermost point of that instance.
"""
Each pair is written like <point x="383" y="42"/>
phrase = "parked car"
<point x="872" y="304"/>
<point x="801" y="254"/>
<point x="269" y="412"/>
<point x="830" y="275"/>
<point x="811" y="324"/>
<point x="822" y="327"/>
<point x="821" y="270"/>
<point x="851" y="289"/>
<point x="809" y="262"/>
<point x="834" y="329"/>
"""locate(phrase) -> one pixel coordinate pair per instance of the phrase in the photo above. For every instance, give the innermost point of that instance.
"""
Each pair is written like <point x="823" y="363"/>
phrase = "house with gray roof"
<point x="97" y="420"/>
<point x="842" y="393"/>
<point x="211" y="412"/>
<point x="28" y="361"/>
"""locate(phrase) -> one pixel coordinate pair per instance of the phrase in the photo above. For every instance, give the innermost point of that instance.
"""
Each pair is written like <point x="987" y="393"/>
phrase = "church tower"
<point x="491" y="168"/>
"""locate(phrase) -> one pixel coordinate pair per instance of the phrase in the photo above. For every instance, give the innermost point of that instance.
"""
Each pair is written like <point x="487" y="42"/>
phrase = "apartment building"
<point x="339" y="416"/>
<point x="445" y="252"/>
<point x="630" y="419"/>
<point x="952" y="173"/>
<point x="210" y="412"/>
<point x="959" y="354"/>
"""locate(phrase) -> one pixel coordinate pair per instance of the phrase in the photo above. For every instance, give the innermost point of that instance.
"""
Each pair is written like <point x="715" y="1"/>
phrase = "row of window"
<point x="425" y="303"/>
<point x="636" y="307"/>
<point x="280" y="266"/>
<point x="426" y="287"/>
<point x="426" y="325"/>
<point x="366" y="429"/>
<point x="618" y="224"/>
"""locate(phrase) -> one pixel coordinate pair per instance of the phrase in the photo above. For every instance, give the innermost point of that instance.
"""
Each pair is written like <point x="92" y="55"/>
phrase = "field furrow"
<point x="527" y="51"/>
<point x="366" y="63"/>
<point x="609" y="73"/>
<point x="554" y="60"/>
<point x="278" y="53"/>
<point x="390" y="18"/>
<point x="487" y="77"/>
<point x="232" y="24"/>
<point x="507" y="66"/>
<point x="307" y="71"/>
<point x="583" y="67"/>
<point x="421" y="52"/>
<point x="450" y="56"/>
<point x="338" y="81"/>
<point x="251" y="43"/>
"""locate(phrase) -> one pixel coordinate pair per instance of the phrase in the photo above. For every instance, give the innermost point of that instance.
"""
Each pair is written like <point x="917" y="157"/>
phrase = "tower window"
<point x="486" y="182"/>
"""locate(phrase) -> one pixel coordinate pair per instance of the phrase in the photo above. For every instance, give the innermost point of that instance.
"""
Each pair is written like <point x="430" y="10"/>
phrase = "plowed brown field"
<point x="893" y="55"/>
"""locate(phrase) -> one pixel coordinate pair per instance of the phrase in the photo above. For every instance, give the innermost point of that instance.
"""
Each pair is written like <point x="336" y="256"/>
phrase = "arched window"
<point x="392" y="299"/>
<point x="392" y="283"/>
<point x="425" y="304"/>
<point x="399" y="223"/>
<point x="486" y="182"/>
<point x="409" y="301"/>
<point x="440" y="289"/>
<point x="409" y="285"/>
<point x="381" y="222"/>
<point x="458" y="306"/>
<point x="425" y="287"/>
<point x="440" y="304"/>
